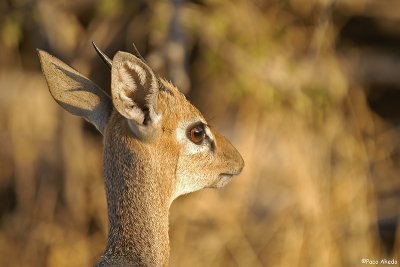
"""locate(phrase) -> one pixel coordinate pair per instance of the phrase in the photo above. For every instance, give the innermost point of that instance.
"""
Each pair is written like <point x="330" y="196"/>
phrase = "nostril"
<point x="236" y="168"/>
<point x="241" y="167"/>
<point x="236" y="164"/>
<point x="241" y="163"/>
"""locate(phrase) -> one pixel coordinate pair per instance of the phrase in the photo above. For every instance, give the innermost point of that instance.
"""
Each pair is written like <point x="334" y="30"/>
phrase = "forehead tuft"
<point x="174" y="104"/>
<point x="169" y="87"/>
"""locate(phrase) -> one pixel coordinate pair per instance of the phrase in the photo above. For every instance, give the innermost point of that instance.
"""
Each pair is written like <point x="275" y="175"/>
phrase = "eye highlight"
<point x="197" y="134"/>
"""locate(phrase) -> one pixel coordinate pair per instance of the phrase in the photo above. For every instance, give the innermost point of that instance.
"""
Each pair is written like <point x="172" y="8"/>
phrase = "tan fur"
<point x="148" y="159"/>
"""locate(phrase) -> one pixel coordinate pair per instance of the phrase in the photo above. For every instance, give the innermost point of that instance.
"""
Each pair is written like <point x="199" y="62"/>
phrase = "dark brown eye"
<point x="197" y="134"/>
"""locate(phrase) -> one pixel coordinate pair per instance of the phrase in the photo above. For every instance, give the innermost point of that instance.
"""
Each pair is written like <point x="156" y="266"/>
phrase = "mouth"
<point x="230" y="173"/>
<point x="226" y="175"/>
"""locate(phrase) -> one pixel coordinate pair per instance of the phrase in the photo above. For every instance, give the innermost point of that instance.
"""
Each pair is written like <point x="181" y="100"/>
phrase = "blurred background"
<point x="308" y="91"/>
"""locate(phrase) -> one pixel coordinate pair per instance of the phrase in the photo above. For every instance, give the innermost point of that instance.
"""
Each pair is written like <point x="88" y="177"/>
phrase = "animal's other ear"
<point x="134" y="90"/>
<point x="76" y="93"/>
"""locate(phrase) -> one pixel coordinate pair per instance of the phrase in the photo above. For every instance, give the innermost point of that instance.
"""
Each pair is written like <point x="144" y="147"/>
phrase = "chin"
<point x="223" y="179"/>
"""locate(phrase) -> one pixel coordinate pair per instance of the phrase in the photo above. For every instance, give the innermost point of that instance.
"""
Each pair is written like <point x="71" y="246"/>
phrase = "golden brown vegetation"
<point x="267" y="74"/>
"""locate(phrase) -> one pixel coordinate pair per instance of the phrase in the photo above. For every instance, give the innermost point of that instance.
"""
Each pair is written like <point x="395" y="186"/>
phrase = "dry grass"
<point x="266" y="74"/>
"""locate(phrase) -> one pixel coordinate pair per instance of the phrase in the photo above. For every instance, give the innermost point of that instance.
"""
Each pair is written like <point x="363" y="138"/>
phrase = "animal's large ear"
<point x="76" y="93"/>
<point x="134" y="90"/>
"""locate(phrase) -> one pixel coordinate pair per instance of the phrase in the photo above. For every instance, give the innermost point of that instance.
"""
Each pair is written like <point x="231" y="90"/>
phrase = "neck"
<point x="137" y="211"/>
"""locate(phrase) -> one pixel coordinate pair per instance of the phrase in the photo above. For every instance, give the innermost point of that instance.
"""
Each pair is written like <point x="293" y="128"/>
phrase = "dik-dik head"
<point x="149" y="127"/>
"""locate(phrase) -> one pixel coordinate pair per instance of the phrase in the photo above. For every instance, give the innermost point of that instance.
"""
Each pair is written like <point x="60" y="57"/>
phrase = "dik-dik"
<point x="157" y="146"/>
